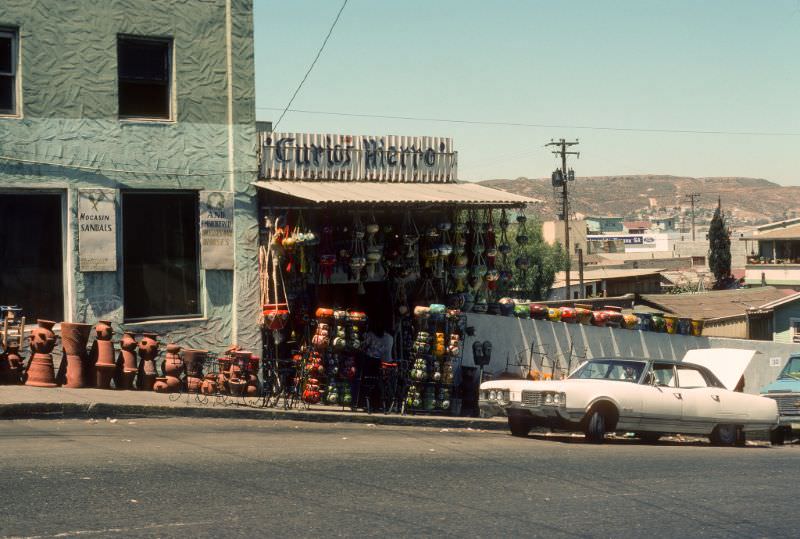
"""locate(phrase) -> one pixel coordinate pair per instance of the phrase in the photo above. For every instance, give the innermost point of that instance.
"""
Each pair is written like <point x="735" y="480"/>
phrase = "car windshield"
<point x="610" y="369"/>
<point x="792" y="368"/>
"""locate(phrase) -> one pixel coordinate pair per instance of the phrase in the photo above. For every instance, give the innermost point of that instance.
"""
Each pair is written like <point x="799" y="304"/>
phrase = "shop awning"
<point x="354" y="192"/>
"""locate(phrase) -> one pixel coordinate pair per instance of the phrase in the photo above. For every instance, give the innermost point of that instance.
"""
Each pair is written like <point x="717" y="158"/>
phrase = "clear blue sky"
<point x="720" y="65"/>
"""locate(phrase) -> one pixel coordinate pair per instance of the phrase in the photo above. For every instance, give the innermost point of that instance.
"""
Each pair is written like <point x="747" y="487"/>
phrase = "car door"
<point x="702" y="402"/>
<point x="662" y="405"/>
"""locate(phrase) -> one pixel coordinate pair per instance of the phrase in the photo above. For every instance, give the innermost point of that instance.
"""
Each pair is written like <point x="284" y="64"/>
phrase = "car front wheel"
<point x="777" y="436"/>
<point x="519" y="426"/>
<point x="596" y="427"/>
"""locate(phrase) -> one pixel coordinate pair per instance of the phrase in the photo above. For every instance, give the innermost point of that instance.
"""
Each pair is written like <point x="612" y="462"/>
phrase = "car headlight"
<point x="548" y="398"/>
<point x="492" y="395"/>
<point x="556" y="399"/>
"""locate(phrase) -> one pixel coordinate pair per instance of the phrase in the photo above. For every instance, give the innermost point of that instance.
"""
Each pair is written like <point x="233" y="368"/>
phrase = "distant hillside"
<point x="748" y="200"/>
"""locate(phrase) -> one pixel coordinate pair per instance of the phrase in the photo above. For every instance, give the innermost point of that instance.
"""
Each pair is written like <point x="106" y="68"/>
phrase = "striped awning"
<point x="389" y="193"/>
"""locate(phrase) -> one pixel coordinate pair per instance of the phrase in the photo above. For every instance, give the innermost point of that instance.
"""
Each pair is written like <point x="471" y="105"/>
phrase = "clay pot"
<point x="615" y="318"/>
<point x="569" y="315"/>
<point x="127" y="360"/>
<point x="697" y="327"/>
<point x="208" y="387"/>
<point x="104" y="364"/>
<point x="600" y="318"/>
<point x="41" y="372"/>
<point x="167" y="384"/>
<point x="645" y="321"/>
<point x="631" y="321"/>
<point x="583" y="313"/>
<point x="553" y="314"/>
<point x="148" y="350"/>
<point x="658" y="322"/>
<point x="193" y="384"/>
<point x="671" y="323"/>
<point x="74" y="338"/>
<point x="11" y="366"/>
<point x="684" y="326"/>
<point x="173" y="363"/>
<point x="237" y="386"/>
<point x="104" y="373"/>
<point x="538" y="312"/>
<point x="193" y="360"/>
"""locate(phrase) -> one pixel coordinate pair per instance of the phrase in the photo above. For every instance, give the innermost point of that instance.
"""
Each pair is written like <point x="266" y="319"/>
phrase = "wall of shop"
<point x="69" y="133"/>
<point x="513" y="339"/>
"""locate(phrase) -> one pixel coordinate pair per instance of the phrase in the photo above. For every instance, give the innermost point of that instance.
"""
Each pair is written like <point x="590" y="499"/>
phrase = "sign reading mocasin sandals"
<point x="97" y="230"/>
<point x="216" y="230"/>
<point x="390" y="158"/>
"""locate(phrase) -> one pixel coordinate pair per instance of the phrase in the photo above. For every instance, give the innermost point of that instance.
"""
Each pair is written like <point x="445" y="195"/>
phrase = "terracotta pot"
<point x="237" y="386"/>
<point x="569" y="315"/>
<point x="160" y="385"/>
<point x="127" y="360"/>
<point x="194" y="384"/>
<point x="173" y="363"/>
<point x="194" y="360"/>
<point x="74" y="338"/>
<point x="42" y="339"/>
<point x="75" y="372"/>
<point x="615" y="317"/>
<point x="13" y="366"/>
<point x="167" y="384"/>
<point x="104" y="374"/>
<point x="208" y="387"/>
<point x="645" y="321"/>
<point x="600" y="318"/>
<point x="41" y="372"/>
<point x="671" y="323"/>
<point x="583" y="313"/>
<point x="538" y="312"/>
<point x="148" y="350"/>
<point x="631" y="321"/>
<point x="697" y="327"/>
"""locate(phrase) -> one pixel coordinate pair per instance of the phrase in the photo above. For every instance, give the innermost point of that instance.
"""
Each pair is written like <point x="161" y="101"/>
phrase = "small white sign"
<point x="97" y="229"/>
<point x="216" y="230"/>
<point x="774" y="362"/>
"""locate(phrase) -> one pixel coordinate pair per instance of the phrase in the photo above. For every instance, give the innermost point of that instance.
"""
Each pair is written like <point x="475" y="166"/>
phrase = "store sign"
<point x="97" y="230"/>
<point x="216" y="230"/>
<point x="309" y="156"/>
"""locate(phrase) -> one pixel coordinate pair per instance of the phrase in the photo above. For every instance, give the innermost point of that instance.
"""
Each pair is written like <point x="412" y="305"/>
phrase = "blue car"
<point x="786" y="392"/>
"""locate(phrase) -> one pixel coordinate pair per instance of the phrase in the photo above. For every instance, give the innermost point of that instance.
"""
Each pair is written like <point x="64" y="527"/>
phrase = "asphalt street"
<point x="223" y="477"/>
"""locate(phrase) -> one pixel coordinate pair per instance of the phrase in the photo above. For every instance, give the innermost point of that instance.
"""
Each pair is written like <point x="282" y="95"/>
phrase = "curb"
<point x="52" y="410"/>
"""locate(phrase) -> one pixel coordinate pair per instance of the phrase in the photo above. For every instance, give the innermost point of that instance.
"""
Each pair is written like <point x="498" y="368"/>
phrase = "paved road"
<point x="211" y="478"/>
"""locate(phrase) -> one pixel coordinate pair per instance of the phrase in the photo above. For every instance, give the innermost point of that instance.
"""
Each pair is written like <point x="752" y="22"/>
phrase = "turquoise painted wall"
<point x="781" y="320"/>
<point x="68" y="69"/>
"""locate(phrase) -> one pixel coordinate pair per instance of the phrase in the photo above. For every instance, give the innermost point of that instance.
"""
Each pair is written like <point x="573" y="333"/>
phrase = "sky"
<point x="580" y="67"/>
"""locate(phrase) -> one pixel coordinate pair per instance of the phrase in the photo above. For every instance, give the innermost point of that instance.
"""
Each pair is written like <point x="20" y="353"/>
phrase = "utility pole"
<point x="692" y="197"/>
<point x="560" y="179"/>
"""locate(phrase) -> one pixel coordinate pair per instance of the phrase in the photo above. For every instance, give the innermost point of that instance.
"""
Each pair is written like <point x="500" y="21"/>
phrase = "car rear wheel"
<point x="724" y="435"/>
<point x="519" y="426"/>
<point x="596" y="427"/>
<point x="777" y="436"/>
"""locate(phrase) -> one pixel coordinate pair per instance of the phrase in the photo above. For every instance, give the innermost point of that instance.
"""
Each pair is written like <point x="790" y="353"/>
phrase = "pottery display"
<point x="537" y="311"/>
<point x="600" y="318"/>
<point x="684" y="326"/>
<point x="126" y="361"/>
<point x="569" y="315"/>
<point x="583" y="312"/>
<point x="697" y="327"/>
<point x="615" y="319"/>
<point x="554" y="314"/>
<point x="522" y="310"/>
<point x="658" y="322"/>
<point x="41" y="372"/>
<point x="193" y="361"/>
<point x="645" y="321"/>
<point x="148" y="350"/>
<point x="74" y="338"/>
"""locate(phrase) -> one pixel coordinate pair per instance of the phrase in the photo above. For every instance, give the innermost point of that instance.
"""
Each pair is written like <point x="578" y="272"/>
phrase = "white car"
<point x="650" y="397"/>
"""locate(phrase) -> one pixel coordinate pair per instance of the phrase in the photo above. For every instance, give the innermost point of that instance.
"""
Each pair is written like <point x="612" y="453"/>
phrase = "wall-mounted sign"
<point x="97" y="230"/>
<point x="216" y="230"/>
<point x="390" y="158"/>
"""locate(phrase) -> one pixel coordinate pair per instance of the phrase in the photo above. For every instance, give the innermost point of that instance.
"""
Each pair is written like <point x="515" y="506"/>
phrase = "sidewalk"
<point x="22" y="402"/>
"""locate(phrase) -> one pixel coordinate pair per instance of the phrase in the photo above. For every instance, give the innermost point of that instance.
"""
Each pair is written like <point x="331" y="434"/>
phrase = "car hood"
<point x="786" y="385"/>
<point x="546" y="385"/>
<point x="727" y="364"/>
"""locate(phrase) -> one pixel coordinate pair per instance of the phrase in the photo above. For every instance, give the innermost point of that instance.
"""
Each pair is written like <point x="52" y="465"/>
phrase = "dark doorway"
<point x="31" y="255"/>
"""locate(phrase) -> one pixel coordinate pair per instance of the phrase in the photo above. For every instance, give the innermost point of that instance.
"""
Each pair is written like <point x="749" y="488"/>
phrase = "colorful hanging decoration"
<point x="327" y="253"/>
<point x="374" y="251"/>
<point x="358" y="259"/>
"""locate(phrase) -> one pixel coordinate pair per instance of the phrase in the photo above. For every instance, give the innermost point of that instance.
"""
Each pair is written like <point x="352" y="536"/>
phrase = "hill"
<point x="747" y="200"/>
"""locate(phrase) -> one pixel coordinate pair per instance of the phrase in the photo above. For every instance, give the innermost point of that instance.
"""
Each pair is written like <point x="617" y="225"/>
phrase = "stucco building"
<point x="127" y="152"/>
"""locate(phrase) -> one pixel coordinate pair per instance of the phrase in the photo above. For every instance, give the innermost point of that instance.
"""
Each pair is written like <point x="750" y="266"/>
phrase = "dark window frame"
<point x="13" y="74"/>
<point x="200" y="311"/>
<point x="167" y="83"/>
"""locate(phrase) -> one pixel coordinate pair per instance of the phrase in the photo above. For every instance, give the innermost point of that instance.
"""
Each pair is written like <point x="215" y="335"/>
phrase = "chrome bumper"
<point x="542" y="414"/>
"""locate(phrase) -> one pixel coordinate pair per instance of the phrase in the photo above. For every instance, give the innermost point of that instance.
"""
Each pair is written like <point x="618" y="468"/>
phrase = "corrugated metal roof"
<point x="717" y="304"/>
<point x="349" y="192"/>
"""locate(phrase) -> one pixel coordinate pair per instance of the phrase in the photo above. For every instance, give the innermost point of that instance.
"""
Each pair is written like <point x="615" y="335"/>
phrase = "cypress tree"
<point x="719" y="248"/>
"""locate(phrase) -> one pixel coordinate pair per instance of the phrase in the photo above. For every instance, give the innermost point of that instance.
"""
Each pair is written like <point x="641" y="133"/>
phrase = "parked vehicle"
<point x="650" y="397"/>
<point x="786" y="393"/>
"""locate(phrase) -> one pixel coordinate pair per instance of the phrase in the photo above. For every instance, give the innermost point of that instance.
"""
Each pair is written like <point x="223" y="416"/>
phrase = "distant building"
<point x="636" y="227"/>
<point x="604" y="225"/>
<point x="763" y="313"/>
<point x="774" y="254"/>
<point x="665" y="224"/>
<point x="553" y="232"/>
<point x="607" y="282"/>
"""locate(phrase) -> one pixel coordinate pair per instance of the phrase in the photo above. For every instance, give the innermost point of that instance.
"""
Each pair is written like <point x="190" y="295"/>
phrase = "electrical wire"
<point x="313" y="63"/>
<point x="544" y="126"/>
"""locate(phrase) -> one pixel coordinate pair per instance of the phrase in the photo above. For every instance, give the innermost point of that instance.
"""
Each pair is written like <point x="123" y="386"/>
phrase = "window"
<point x="795" y="327"/>
<point x="8" y="71"/>
<point x="31" y="271"/>
<point x="665" y="374"/>
<point x="689" y="377"/>
<point x="144" y="77"/>
<point x="160" y="252"/>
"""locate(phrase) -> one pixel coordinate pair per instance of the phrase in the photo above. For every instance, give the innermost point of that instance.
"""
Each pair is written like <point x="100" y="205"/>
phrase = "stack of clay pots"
<point x="74" y="338"/>
<point x="172" y="367"/>
<point x="193" y="361"/>
<point x="104" y="362"/>
<point x="127" y="366"/>
<point x="41" y="372"/>
<point x="148" y="350"/>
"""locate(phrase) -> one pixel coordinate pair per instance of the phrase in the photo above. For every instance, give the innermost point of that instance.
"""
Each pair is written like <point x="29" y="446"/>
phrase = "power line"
<point x="319" y="52"/>
<point x="543" y="126"/>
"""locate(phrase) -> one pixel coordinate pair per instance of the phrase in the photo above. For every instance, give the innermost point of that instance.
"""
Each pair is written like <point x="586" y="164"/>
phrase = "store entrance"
<point x="31" y="273"/>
